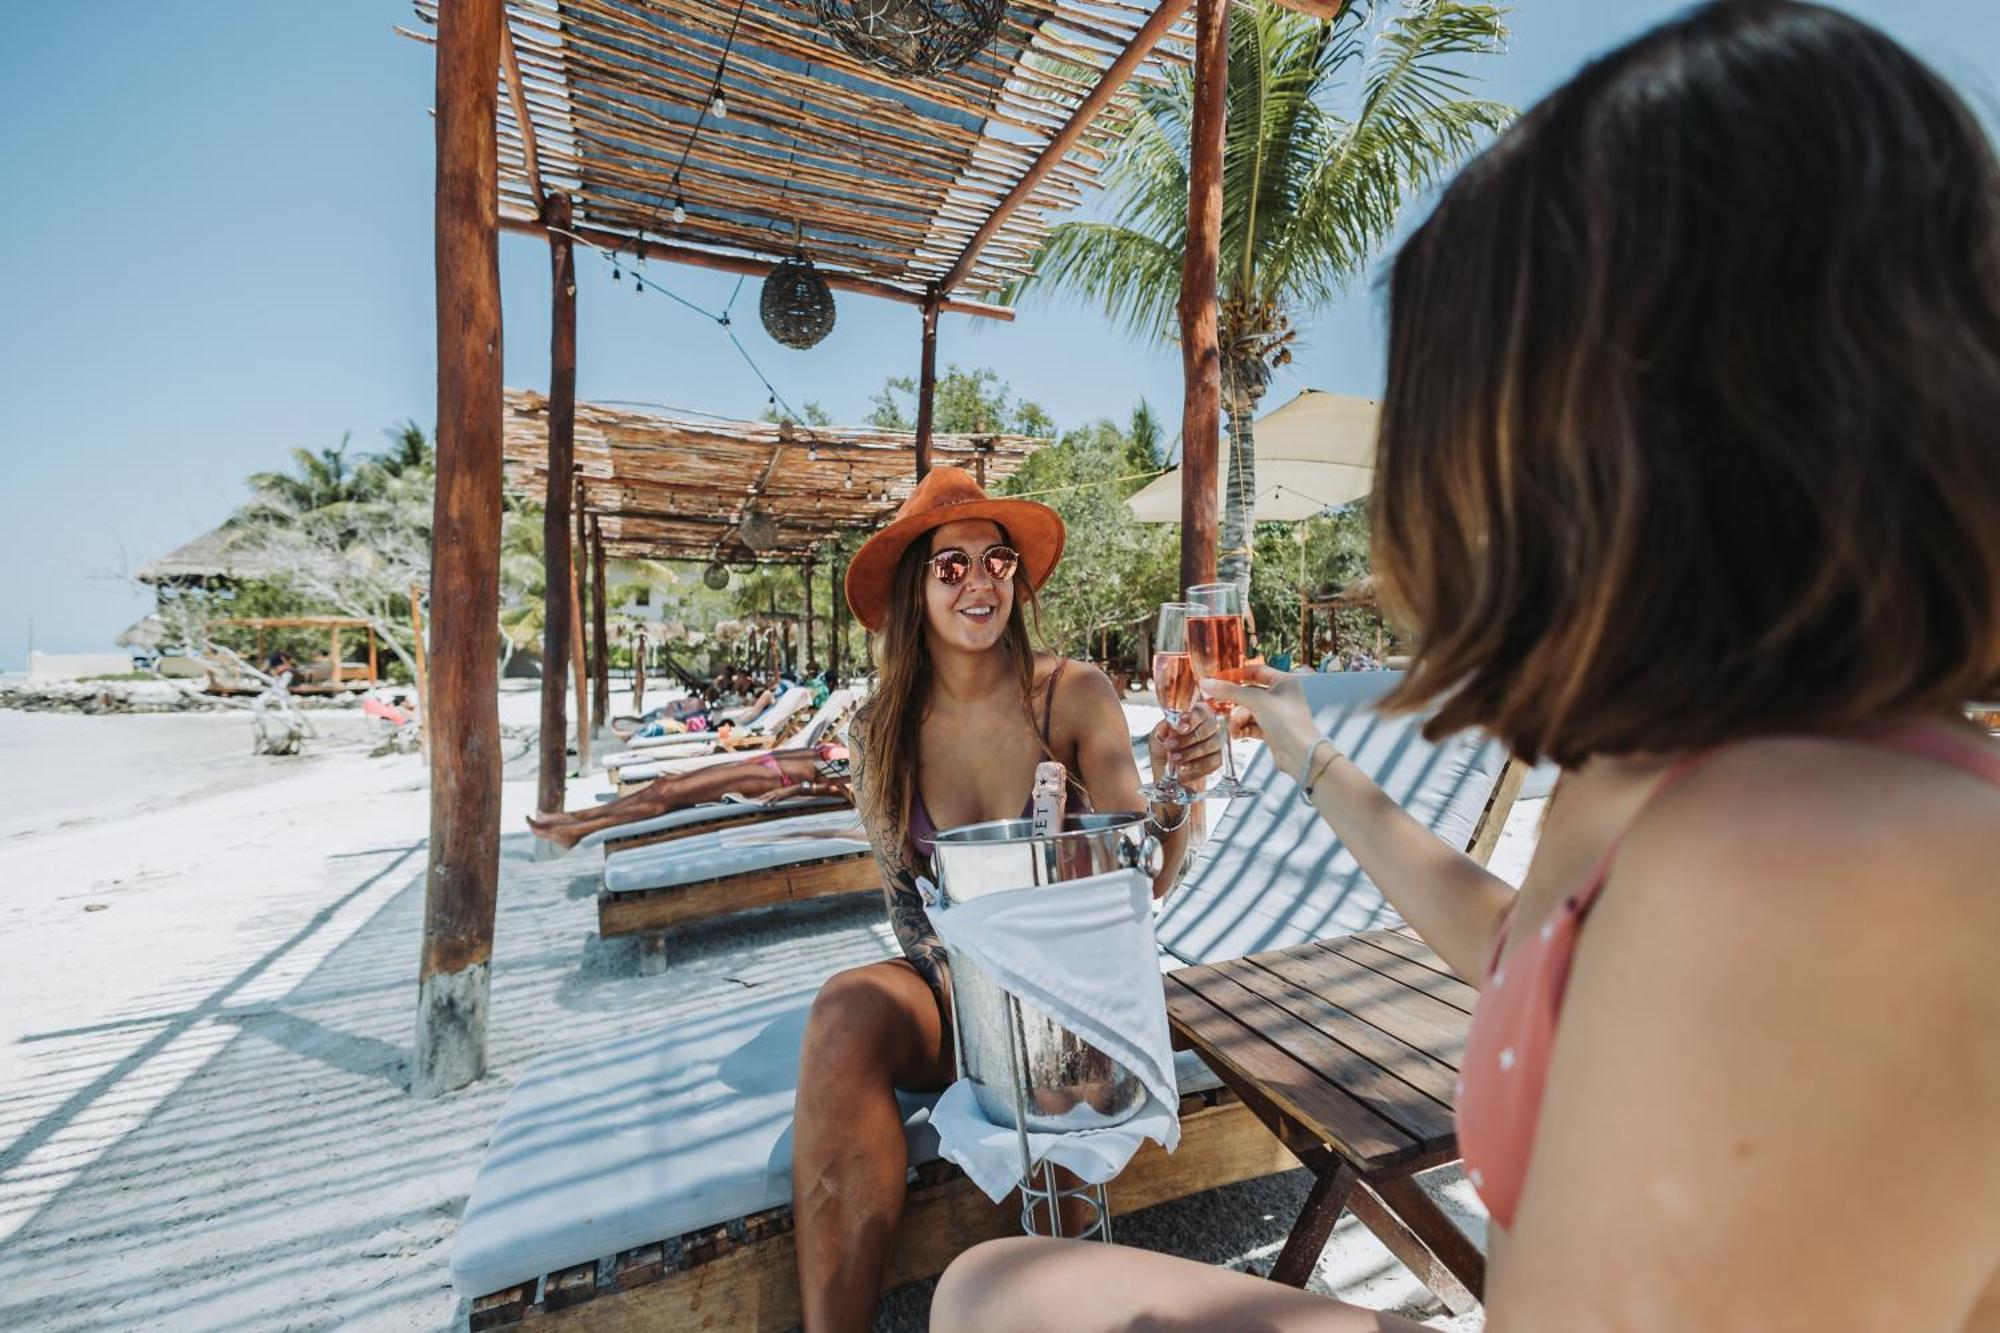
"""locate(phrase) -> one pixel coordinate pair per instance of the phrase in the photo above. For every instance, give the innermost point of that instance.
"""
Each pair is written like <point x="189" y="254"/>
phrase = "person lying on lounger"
<point x="1688" y="479"/>
<point x="963" y="711"/>
<point x="774" y="774"/>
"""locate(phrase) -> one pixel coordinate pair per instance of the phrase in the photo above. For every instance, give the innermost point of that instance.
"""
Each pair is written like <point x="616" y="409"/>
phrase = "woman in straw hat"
<point x="1688" y="479"/>
<point x="963" y="710"/>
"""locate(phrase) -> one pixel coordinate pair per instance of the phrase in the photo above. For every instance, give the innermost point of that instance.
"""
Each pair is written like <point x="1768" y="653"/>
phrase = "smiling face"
<point x="970" y="616"/>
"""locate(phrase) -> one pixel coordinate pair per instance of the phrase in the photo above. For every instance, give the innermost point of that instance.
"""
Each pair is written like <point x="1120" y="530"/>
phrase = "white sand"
<point x="204" y="1116"/>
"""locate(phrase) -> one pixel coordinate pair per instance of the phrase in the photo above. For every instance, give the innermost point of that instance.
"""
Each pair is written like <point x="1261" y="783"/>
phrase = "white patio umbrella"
<point x="1315" y="453"/>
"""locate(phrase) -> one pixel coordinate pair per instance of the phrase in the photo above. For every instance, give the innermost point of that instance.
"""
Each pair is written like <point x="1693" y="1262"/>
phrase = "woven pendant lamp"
<point x="796" y="304"/>
<point x="917" y="38"/>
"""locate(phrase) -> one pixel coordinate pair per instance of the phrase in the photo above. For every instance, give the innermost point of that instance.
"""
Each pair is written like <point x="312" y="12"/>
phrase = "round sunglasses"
<point x="951" y="565"/>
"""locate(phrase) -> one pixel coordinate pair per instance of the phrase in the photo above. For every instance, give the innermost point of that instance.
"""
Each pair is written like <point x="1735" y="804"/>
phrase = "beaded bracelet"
<point x="1306" y="774"/>
<point x="1153" y="819"/>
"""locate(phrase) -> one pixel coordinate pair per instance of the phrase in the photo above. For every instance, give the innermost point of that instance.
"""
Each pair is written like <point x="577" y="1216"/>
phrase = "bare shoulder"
<point x="1863" y="849"/>
<point x="1083" y="691"/>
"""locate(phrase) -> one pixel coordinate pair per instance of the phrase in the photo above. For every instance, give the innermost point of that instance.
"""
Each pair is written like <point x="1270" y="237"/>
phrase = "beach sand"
<point x="207" y="990"/>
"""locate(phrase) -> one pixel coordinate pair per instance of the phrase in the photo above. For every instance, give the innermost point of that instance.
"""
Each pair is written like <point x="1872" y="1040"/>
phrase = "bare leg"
<point x="1030" y="1285"/>
<point x="673" y="792"/>
<point x="872" y="1028"/>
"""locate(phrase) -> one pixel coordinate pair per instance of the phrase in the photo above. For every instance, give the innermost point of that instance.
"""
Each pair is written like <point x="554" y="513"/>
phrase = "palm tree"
<point x="1332" y="126"/>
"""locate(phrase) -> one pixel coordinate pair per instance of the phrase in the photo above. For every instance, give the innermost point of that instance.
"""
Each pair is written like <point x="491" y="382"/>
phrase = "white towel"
<point x="1083" y="952"/>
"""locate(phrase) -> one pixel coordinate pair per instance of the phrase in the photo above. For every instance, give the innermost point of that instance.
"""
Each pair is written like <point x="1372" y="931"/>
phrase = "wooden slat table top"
<point x="1355" y="1041"/>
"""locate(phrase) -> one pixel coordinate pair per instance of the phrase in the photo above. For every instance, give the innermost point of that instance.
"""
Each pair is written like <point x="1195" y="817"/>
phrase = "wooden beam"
<point x="461" y="881"/>
<point x="554" y="740"/>
<point x="600" y="646"/>
<point x="517" y="96"/>
<point x="927" y="387"/>
<point x="1201" y="356"/>
<point x="647" y="248"/>
<point x="1095" y="101"/>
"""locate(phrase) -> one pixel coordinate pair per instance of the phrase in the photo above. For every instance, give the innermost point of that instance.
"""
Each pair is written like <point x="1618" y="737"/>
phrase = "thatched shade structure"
<point x="664" y="487"/>
<point x="890" y="180"/>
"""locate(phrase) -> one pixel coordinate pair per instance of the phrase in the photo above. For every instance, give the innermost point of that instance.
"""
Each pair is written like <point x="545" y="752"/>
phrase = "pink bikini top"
<point x="1507" y="1052"/>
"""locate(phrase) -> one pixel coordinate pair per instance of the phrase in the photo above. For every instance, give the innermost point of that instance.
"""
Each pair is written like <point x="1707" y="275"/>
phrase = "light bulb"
<point x="719" y="108"/>
<point x="812" y="454"/>
<point x="680" y="211"/>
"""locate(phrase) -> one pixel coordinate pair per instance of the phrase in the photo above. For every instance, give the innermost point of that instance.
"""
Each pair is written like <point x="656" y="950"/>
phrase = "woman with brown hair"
<point x="963" y="710"/>
<point x="1688" y="480"/>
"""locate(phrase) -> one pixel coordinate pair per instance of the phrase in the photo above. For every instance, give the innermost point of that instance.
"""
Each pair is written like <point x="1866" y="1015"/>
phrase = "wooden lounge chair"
<point x="758" y="730"/>
<point x="632" y="771"/>
<point x="647" y="1181"/>
<point x="720" y="871"/>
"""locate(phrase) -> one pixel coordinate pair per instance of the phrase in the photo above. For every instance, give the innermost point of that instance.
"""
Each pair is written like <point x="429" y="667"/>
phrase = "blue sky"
<point x="217" y="247"/>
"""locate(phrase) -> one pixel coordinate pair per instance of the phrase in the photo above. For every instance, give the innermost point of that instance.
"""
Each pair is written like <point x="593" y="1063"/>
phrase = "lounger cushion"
<point x="707" y="812"/>
<point x="1272" y="874"/>
<point x="705" y="856"/>
<point x="649" y="1137"/>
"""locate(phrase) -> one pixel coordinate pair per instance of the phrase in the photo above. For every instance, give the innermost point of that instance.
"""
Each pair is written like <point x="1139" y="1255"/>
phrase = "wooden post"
<point x="836" y="623"/>
<point x="807" y="656"/>
<point x="423" y="670"/>
<point x="580" y="584"/>
<point x="639" y="673"/>
<point x="600" y="638"/>
<point x="461" y="882"/>
<point x="927" y="386"/>
<point x="1201" y="356"/>
<point x="333" y="656"/>
<point x="579" y="671"/>
<point x="554" y="739"/>
<point x="374" y="665"/>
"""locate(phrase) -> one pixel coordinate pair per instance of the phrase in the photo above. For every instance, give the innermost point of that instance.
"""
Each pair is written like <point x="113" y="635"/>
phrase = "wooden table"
<point x="1347" y="1049"/>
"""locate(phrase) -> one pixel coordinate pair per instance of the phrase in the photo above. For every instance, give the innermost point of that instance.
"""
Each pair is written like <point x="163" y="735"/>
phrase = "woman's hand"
<point x="1270" y="704"/>
<point x="1195" y="747"/>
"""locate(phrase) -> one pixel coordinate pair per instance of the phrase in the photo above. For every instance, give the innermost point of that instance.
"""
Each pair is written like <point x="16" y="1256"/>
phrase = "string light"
<point x="719" y="108"/>
<point x="812" y="456"/>
<point x="680" y="209"/>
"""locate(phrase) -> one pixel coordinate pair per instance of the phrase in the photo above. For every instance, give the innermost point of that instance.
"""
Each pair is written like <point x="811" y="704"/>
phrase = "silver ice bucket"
<point x="1066" y="1083"/>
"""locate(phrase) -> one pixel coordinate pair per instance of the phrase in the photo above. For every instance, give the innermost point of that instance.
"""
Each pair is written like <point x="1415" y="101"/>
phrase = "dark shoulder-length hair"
<point x="1692" y="427"/>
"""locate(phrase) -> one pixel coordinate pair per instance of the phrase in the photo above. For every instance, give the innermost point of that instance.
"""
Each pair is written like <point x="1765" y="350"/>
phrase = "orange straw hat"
<point x="949" y="495"/>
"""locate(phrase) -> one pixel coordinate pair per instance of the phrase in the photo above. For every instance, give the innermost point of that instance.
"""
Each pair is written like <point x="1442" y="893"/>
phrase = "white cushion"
<point x="704" y="856"/>
<point x="649" y="1137"/>
<point x="704" y="813"/>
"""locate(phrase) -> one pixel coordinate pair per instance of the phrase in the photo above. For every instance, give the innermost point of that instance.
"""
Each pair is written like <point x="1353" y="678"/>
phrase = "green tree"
<point x="1332" y="126"/>
<point x="965" y="402"/>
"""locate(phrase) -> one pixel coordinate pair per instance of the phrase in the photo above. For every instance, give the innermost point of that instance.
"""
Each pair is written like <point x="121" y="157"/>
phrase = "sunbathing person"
<point x="1687" y="478"/>
<point x="821" y="770"/>
<point x="963" y="711"/>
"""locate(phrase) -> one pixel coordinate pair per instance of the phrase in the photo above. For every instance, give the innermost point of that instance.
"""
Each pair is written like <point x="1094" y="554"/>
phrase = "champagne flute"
<point x="1215" y="646"/>
<point x="1175" y="686"/>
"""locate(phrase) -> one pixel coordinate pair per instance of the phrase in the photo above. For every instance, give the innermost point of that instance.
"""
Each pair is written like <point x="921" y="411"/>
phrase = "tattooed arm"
<point x="899" y="878"/>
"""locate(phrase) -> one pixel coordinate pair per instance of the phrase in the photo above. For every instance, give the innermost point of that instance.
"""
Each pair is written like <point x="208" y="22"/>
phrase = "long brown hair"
<point x="895" y="713"/>
<point x="1693" y="383"/>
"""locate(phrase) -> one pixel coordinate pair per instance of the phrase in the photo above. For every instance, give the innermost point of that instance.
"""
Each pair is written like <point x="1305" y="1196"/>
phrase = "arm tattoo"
<point x="899" y="878"/>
